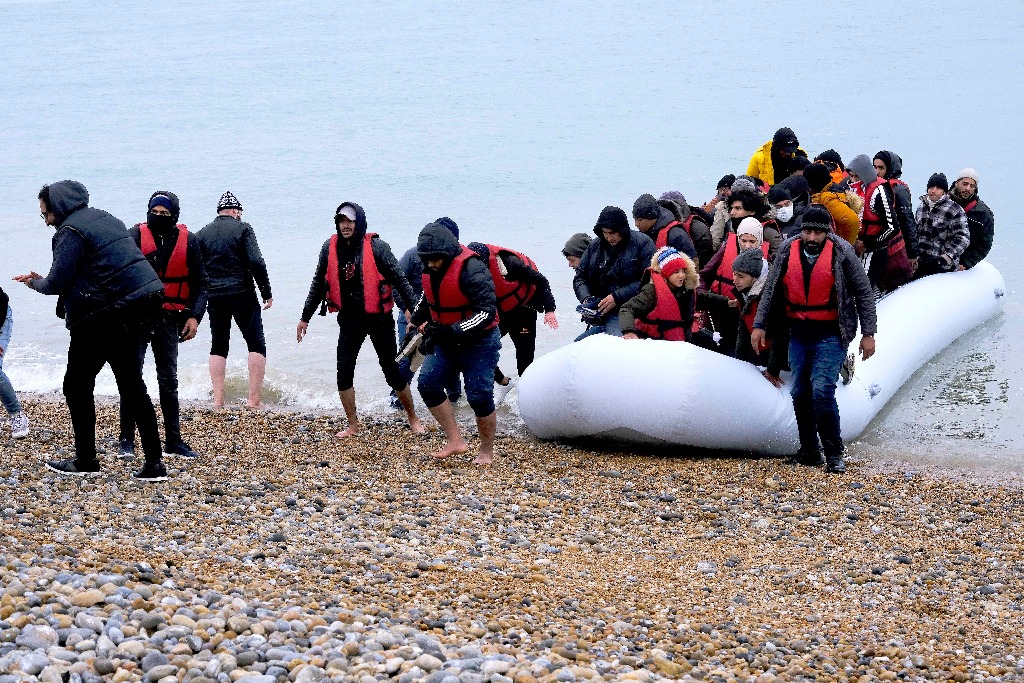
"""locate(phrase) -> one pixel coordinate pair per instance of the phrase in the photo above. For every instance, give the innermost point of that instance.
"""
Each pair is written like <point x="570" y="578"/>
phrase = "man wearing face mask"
<point x="174" y="253"/>
<point x="817" y="289"/>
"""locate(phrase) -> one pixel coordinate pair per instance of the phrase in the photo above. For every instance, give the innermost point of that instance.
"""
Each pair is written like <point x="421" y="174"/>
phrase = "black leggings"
<point x="245" y="309"/>
<point x="352" y="332"/>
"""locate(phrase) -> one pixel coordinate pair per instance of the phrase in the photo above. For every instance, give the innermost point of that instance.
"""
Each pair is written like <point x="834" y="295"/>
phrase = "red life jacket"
<point x="377" y="297"/>
<point x="819" y="301"/>
<point x="666" y="320"/>
<point x="511" y="294"/>
<point x="748" y="317"/>
<point x="175" y="276"/>
<point x="451" y="305"/>
<point x="970" y="205"/>
<point x="662" y="240"/>
<point x="722" y="282"/>
<point x="873" y="225"/>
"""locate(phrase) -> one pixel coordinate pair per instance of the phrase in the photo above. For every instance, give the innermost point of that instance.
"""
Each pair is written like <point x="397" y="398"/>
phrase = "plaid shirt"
<point x="942" y="230"/>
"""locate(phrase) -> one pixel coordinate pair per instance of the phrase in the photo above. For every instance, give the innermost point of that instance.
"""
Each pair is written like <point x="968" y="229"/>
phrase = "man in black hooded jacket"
<point x="357" y="281"/>
<point x="889" y="165"/>
<point x="110" y="297"/>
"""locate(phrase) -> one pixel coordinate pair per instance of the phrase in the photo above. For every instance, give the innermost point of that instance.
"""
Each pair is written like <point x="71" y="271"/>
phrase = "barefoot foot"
<point x="451" y="448"/>
<point x="417" y="427"/>
<point x="351" y="431"/>
<point x="483" y="459"/>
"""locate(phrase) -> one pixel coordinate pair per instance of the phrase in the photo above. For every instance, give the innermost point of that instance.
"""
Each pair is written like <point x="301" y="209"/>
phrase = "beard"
<point x="811" y="247"/>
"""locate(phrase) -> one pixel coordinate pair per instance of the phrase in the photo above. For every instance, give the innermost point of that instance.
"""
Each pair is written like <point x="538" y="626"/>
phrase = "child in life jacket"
<point x="663" y="309"/>
<point x="749" y="275"/>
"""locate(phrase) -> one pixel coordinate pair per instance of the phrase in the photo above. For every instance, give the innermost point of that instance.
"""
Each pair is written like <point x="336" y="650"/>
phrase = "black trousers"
<point x="110" y="337"/>
<point x="164" y="339"/>
<point x="353" y="328"/>
<point x="520" y="324"/>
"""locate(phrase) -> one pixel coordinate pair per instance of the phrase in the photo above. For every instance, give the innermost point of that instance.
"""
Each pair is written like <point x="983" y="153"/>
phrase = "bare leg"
<point x="405" y="396"/>
<point x="348" y="402"/>
<point x="486" y="426"/>
<point x="453" y="441"/>
<point x="218" y="368"/>
<point x="257" y="369"/>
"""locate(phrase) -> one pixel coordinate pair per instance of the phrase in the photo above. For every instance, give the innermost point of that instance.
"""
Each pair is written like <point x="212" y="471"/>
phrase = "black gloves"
<point x="441" y="334"/>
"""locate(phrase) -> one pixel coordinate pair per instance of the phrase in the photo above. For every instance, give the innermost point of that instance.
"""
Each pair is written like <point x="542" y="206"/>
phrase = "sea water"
<point x="520" y="121"/>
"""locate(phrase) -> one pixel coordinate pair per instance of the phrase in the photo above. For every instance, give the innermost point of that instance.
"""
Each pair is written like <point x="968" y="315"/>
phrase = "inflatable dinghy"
<point x="663" y="393"/>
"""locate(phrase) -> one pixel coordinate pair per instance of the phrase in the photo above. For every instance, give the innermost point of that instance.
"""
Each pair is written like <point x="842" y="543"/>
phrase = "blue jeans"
<point x="454" y="386"/>
<point x="7" y="395"/>
<point x="610" y="326"/>
<point x="475" y="361"/>
<point x="815" y="362"/>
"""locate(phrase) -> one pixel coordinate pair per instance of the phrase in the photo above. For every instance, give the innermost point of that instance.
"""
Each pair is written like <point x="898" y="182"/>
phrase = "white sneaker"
<point x="501" y="391"/>
<point x="19" y="425"/>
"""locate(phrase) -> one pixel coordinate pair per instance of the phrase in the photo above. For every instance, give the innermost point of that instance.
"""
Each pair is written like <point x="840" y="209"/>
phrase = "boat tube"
<point x="659" y="392"/>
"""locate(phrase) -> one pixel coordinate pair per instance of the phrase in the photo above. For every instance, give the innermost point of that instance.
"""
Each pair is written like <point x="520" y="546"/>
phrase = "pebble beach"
<point x="286" y="555"/>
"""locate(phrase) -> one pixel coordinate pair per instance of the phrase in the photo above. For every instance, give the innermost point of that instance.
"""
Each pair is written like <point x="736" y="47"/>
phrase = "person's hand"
<point x="32" y="275"/>
<point x="605" y="305"/>
<point x="859" y="247"/>
<point x="961" y="267"/>
<point x="189" y="330"/>
<point x="300" y="331"/>
<point x="757" y="340"/>
<point x="268" y="303"/>
<point x="408" y="316"/>
<point x="775" y="380"/>
<point x="734" y="303"/>
<point x="913" y="265"/>
<point x="867" y="346"/>
<point x="550" y="320"/>
<point x="630" y="335"/>
<point x="439" y="332"/>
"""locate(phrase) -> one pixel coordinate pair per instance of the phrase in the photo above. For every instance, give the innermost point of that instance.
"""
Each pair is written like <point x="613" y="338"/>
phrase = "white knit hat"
<point x="750" y="226"/>
<point x="968" y="173"/>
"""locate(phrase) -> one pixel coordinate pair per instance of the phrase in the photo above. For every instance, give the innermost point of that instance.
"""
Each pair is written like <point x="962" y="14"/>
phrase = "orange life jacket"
<point x="722" y="282"/>
<point x="511" y="294"/>
<point x="175" y="276"/>
<point x="818" y="302"/>
<point x="451" y="305"/>
<point x="662" y="240"/>
<point x="665" y="321"/>
<point x="377" y="295"/>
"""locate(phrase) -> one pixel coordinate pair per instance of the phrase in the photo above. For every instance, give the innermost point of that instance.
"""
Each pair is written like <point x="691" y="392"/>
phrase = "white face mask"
<point x="784" y="213"/>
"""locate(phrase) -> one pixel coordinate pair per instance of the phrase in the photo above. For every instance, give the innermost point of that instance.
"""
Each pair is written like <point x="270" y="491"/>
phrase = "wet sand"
<point x="284" y="553"/>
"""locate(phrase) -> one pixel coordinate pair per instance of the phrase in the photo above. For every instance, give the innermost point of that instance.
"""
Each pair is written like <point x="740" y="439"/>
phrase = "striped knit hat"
<point x="669" y="261"/>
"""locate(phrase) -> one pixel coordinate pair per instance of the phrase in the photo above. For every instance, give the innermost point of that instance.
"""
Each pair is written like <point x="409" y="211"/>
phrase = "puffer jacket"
<point x="352" y="293"/>
<point x="846" y="219"/>
<point x="678" y="239"/>
<point x="761" y="166"/>
<point x="96" y="264"/>
<point x="233" y="259"/>
<point x="647" y="298"/>
<point x="853" y="292"/>
<point x="617" y="270"/>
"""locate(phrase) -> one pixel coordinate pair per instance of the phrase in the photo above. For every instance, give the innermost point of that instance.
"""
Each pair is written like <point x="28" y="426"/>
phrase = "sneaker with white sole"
<point x="501" y="391"/>
<point x="152" y="471"/>
<point x="72" y="468"/>
<point x="19" y="425"/>
<point x="180" y="450"/>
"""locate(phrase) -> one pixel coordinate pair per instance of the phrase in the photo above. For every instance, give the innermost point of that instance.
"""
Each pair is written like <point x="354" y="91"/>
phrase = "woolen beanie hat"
<point x="751" y="226"/>
<point x="818" y="177"/>
<point x="817" y="217"/>
<point x="576" y="245"/>
<point x="968" y="173"/>
<point x="613" y="218"/>
<point x="674" y="196"/>
<point x="862" y="167"/>
<point x="800" y="163"/>
<point x="778" y="193"/>
<point x="938" y="180"/>
<point x="168" y="200"/>
<point x="743" y="183"/>
<point x="749" y="261"/>
<point x="670" y="260"/>
<point x="831" y="156"/>
<point x="450" y="224"/>
<point x="727" y="180"/>
<point x="228" y="201"/>
<point x="646" y="206"/>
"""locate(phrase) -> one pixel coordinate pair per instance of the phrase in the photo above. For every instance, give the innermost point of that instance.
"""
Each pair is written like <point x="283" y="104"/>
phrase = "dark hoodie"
<point x="350" y="261"/>
<point x="166" y="240"/>
<point x="232" y="258"/>
<point x="678" y="238"/>
<point x="435" y="240"/>
<point x="783" y="165"/>
<point x="96" y="264"/>
<point x="904" y="202"/>
<point x="617" y="270"/>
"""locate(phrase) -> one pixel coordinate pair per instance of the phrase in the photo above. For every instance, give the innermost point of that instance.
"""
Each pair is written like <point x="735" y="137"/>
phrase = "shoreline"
<point x="365" y="557"/>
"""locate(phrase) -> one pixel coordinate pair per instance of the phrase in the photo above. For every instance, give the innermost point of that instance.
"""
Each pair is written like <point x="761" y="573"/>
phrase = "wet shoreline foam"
<point x="286" y="554"/>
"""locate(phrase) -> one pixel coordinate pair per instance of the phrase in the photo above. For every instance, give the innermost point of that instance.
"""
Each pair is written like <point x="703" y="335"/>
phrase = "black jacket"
<point x="474" y="281"/>
<point x="982" y="224"/>
<point x="193" y="258"/>
<point x="352" y="289"/>
<point x="412" y="266"/>
<point x="617" y="270"/>
<point x="96" y="264"/>
<point x="5" y="302"/>
<point x="678" y="238"/>
<point x="904" y="203"/>
<point x="232" y="258"/>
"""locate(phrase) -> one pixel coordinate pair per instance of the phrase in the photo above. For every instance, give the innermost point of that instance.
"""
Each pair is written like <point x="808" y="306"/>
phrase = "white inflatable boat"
<point x="664" y="393"/>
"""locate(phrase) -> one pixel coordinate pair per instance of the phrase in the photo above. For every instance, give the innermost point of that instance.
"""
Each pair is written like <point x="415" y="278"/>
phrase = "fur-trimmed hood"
<point x="691" y="281"/>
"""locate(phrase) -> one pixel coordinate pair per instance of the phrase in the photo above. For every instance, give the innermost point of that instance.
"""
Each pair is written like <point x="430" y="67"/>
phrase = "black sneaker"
<point x="154" y="471"/>
<point x="73" y="468"/>
<point x="835" y="464"/>
<point x="180" y="450"/>
<point x="808" y="458"/>
<point x="126" y="449"/>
